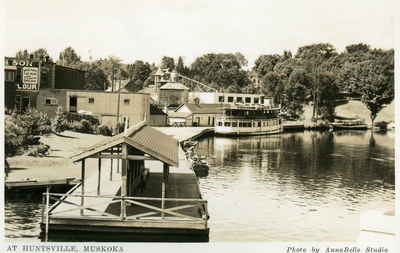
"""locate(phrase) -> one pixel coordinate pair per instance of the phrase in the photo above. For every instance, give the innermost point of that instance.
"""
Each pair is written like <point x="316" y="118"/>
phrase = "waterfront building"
<point x="25" y="77"/>
<point x="133" y="107"/>
<point x="199" y="114"/>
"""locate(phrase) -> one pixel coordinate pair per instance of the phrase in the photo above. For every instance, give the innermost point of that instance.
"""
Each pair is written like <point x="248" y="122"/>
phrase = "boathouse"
<point x="136" y="186"/>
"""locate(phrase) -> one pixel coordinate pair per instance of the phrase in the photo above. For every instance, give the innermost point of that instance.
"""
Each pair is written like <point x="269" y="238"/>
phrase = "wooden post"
<point x="111" y="170"/>
<point x="123" y="179"/>
<point x="82" y="185"/>
<point x="164" y="179"/>
<point x="47" y="213"/>
<point x="99" y="177"/>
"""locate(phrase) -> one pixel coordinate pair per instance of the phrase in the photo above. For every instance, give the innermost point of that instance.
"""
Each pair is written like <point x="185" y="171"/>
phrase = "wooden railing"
<point x="49" y="210"/>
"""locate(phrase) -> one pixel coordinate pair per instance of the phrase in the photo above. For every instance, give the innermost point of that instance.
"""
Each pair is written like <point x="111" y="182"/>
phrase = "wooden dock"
<point x="112" y="206"/>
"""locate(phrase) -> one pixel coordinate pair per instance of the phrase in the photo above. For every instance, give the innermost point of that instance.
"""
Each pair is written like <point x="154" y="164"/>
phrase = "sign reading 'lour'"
<point x="30" y="78"/>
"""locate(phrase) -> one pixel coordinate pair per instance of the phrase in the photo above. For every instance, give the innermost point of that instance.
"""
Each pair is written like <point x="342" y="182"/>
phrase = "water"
<point x="292" y="187"/>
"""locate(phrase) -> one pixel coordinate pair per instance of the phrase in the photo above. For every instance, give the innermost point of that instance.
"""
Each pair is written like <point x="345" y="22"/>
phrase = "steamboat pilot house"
<point x="248" y="120"/>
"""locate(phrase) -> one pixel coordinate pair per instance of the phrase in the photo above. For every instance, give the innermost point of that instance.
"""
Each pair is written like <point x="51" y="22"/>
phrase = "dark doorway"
<point x="25" y="103"/>
<point x="73" y="101"/>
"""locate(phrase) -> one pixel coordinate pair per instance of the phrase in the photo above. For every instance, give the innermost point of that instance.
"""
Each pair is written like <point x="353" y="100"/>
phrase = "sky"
<point x="147" y="30"/>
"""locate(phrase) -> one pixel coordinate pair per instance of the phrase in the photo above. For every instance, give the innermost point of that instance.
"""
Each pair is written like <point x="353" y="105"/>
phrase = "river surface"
<point x="306" y="186"/>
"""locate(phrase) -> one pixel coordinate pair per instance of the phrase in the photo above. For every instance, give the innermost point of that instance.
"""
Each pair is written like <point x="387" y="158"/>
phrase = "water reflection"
<point x="299" y="186"/>
<point x="306" y="186"/>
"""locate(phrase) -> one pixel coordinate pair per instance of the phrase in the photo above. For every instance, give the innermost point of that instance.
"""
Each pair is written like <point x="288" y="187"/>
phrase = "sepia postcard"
<point x="184" y="125"/>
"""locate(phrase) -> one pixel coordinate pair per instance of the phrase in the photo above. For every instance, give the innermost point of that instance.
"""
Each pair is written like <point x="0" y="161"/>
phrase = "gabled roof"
<point x="142" y="137"/>
<point x="173" y="86"/>
<point x="203" y="108"/>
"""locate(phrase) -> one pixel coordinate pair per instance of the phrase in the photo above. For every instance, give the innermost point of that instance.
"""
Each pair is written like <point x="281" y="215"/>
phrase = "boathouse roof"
<point x="141" y="137"/>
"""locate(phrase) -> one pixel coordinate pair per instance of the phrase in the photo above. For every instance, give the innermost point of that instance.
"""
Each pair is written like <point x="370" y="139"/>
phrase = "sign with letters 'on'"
<point x="30" y="78"/>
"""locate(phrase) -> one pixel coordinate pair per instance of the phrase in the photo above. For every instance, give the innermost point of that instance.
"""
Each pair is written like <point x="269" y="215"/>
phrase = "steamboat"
<point x="238" y="120"/>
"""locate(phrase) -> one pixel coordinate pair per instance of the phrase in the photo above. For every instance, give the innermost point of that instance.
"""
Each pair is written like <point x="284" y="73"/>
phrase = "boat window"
<point x="256" y="101"/>
<point x="219" y="123"/>
<point x="234" y="124"/>
<point x="240" y="124"/>
<point x="248" y="99"/>
<point x="259" y="123"/>
<point x="262" y="100"/>
<point x="230" y="99"/>
<point x="221" y="99"/>
<point x="239" y="99"/>
<point x="264" y="123"/>
<point x="227" y="124"/>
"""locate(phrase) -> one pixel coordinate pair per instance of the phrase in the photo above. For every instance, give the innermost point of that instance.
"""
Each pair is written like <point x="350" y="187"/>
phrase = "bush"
<point x="59" y="123"/>
<point x="73" y="116"/>
<point x="13" y="136"/>
<point x="104" y="130"/>
<point x="39" y="150"/>
<point x="82" y="126"/>
<point x="33" y="122"/>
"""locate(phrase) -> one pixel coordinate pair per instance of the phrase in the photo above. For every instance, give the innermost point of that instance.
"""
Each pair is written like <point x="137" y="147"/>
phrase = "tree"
<point x="322" y="51"/>
<point x="296" y="93"/>
<point x="68" y="57"/>
<point x="180" y="67"/>
<point x="360" y="47"/>
<point x="95" y="77"/>
<point x="376" y="88"/>
<point x="220" y="71"/>
<point x="138" y="73"/>
<point x="274" y="86"/>
<point x="22" y="54"/>
<point x="38" y="54"/>
<point x="266" y="63"/>
<point x="167" y="63"/>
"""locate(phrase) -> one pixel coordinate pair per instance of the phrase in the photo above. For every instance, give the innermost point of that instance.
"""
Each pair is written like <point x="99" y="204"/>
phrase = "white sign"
<point x="30" y="78"/>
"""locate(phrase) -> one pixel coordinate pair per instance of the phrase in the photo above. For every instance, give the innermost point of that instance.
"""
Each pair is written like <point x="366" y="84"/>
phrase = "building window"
<point x="239" y="99"/>
<point x="227" y="124"/>
<point x="256" y="100"/>
<point x="230" y="99"/>
<point x="127" y="101"/>
<point x="248" y="100"/>
<point x="91" y="100"/>
<point x="51" y="101"/>
<point x="219" y="123"/>
<point x="221" y="99"/>
<point x="10" y="76"/>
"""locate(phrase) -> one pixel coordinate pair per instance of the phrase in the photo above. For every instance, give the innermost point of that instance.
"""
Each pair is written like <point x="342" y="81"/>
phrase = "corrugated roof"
<point x="203" y="108"/>
<point x="173" y="86"/>
<point x="142" y="137"/>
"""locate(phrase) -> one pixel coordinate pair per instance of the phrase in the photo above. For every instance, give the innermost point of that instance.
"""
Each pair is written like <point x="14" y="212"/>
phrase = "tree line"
<point x="317" y="74"/>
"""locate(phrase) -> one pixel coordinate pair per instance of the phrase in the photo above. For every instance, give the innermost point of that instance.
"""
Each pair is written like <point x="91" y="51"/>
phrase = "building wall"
<point x="58" y="97"/>
<point x="202" y="119"/>
<point x="134" y="107"/>
<point x="158" y="120"/>
<point x="168" y="97"/>
<point x="68" y="78"/>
